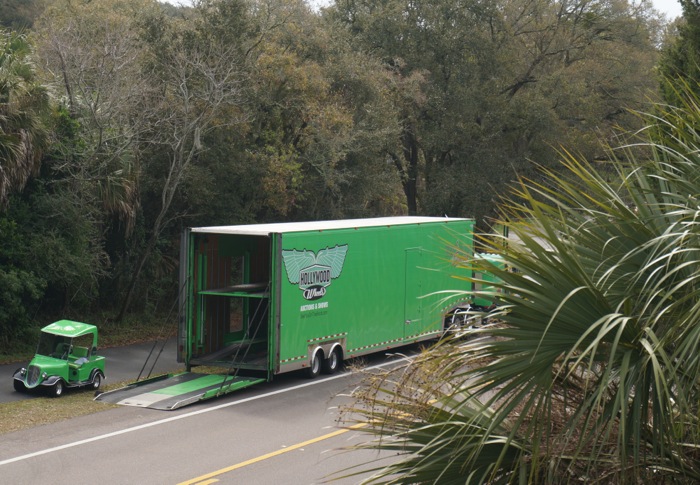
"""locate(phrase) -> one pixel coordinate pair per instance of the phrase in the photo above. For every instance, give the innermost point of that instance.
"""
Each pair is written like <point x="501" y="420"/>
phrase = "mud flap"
<point x="174" y="391"/>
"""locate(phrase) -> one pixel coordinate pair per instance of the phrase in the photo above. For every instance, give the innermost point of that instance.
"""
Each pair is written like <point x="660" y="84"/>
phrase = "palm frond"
<point x="592" y="374"/>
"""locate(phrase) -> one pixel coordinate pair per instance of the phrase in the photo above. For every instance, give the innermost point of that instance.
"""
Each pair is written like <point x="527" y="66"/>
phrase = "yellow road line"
<point x="208" y="476"/>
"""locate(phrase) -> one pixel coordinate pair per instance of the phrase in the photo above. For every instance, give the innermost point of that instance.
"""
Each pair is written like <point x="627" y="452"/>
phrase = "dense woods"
<point x="123" y="121"/>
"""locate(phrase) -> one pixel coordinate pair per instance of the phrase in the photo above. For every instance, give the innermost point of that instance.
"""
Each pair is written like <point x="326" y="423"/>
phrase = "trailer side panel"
<point x="367" y="289"/>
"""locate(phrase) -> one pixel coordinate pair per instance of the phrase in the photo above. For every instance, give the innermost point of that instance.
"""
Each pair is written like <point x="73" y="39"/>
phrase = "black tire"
<point x="19" y="385"/>
<point x="57" y="389"/>
<point x="315" y="368"/>
<point x="333" y="362"/>
<point x="96" y="381"/>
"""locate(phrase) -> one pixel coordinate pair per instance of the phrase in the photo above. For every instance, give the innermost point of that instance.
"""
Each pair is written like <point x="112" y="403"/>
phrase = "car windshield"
<point x="53" y="345"/>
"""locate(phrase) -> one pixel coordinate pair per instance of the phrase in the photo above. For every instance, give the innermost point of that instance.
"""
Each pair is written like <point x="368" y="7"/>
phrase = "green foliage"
<point x="123" y="121"/>
<point x="592" y="372"/>
<point x="680" y="61"/>
<point x="23" y="104"/>
<point x="321" y="119"/>
<point x="484" y="88"/>
<point x="61" y="243"/>
<point x="20" y="289"/>
<point x="19" y="14"/>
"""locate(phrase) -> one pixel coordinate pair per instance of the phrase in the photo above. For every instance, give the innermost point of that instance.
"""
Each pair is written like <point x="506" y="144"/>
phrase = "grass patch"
<point x="28" y="413"/>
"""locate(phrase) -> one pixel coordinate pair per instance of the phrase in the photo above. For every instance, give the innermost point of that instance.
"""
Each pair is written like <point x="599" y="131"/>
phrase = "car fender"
<point x="51" y="380"/>
<point x="96" y="371"/>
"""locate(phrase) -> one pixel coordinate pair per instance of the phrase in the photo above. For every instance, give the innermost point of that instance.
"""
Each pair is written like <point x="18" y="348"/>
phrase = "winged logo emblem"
<point x="314" y="272"/>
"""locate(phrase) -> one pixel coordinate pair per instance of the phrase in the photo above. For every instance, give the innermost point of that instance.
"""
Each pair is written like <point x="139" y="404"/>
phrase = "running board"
<point x="170" y="392"/>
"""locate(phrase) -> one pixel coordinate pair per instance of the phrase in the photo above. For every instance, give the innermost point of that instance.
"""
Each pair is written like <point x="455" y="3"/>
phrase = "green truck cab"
<point x="464" y="318"/>
<point x="65" y="357"/>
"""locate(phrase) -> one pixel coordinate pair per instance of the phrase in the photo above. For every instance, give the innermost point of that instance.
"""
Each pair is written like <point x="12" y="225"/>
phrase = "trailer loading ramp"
<point x="170" y="392"/>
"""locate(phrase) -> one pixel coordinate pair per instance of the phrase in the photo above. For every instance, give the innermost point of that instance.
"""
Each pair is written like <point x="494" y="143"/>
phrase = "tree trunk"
<point x="181" y="159"/>
<point x="135" y="277"/>
<point x="410" y="181"/>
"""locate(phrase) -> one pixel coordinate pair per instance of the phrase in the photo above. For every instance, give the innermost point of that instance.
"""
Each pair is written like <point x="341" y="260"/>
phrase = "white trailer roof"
<point x="284" y="227"/>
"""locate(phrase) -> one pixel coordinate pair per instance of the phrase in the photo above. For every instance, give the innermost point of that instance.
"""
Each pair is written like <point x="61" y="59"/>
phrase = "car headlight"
<point x="23" y="371"/>
<point x="44" y="375"/>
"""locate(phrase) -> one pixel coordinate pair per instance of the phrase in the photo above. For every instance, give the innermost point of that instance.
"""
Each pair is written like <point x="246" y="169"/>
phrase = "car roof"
<point x="69" y="328"/>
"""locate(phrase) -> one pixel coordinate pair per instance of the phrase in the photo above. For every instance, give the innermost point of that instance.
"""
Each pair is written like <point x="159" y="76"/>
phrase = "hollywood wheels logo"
<point x="314" y="272"/>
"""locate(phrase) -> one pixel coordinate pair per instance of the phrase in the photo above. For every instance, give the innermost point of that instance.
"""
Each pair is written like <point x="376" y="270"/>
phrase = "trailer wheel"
<point x="315" y="368"/>
<point x="333" y="362"/>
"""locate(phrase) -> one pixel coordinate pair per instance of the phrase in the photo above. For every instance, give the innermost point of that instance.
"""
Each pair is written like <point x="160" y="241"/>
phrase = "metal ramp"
<point x="170" y="392"/>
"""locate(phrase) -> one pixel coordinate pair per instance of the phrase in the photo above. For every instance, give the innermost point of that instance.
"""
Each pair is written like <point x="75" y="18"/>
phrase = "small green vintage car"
<point x="65" y="357"/>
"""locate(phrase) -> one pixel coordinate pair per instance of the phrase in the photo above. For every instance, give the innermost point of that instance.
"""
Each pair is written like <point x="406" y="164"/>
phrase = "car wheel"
<point x="96" y="381"/>
<point x="19" y="385"/>
<point x="57" y="389"/>
<point x="333" y="362"/>
<point x="315" y="368"/>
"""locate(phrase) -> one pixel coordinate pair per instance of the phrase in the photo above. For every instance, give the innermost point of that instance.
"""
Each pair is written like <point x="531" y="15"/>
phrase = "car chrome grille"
<point x="33" y="376"/>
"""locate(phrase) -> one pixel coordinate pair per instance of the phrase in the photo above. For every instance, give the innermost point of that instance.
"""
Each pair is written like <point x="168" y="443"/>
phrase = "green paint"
<point x="193" y="385"/>
<point x="239" y="383"/>
<point x="66" y="351"/>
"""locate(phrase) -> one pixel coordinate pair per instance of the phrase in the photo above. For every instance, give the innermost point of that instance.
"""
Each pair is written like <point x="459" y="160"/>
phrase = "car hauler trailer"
<point x="265" y="299"/>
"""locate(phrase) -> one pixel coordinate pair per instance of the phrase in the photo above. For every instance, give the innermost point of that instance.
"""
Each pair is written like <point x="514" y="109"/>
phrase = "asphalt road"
<point x="121" y="364"/>
<point x="282" y="432"/>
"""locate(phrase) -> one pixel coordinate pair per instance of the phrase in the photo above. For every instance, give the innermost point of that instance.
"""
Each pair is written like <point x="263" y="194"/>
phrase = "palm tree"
<point x="23" y="101"/>
<point x="592" y="374"/>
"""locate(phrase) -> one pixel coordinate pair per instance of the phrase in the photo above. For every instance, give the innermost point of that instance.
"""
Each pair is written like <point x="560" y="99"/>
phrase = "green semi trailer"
<point x="265" y="299"/>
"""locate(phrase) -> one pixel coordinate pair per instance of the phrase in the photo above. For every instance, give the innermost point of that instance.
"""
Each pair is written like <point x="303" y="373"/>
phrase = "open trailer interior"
<point x="228" y="313"/>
